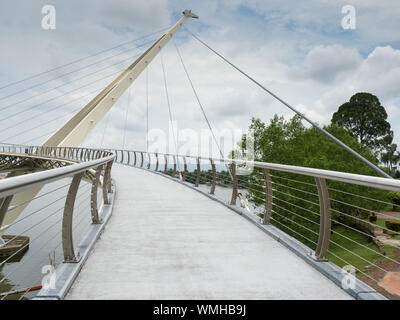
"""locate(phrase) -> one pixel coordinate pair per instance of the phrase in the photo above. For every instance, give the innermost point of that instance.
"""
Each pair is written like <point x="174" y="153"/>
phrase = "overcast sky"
<point x="299" y="50"/>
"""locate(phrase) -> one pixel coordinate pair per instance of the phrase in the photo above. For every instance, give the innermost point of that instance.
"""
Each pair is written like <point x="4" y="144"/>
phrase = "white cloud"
<point x="326" y="64"/>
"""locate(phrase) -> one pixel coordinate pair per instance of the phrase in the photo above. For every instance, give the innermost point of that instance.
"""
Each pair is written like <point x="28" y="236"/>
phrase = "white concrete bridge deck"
<point x="167" y="241"/>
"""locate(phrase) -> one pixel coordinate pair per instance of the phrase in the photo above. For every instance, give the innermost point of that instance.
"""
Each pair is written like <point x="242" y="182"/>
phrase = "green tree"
<point x="365" y="118"/>
<point x="296" y="203"/>
<point x="390" y="157"/>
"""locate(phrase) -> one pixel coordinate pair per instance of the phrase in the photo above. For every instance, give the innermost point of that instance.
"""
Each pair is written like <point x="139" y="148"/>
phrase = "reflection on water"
<point x="41" y="221"/>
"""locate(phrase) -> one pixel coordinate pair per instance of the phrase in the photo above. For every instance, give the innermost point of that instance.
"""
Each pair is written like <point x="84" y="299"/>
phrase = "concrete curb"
<point x="67" y="272"/>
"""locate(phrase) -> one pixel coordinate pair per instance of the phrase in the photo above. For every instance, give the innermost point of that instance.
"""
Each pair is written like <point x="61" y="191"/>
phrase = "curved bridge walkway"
<point x="167" y="241"/>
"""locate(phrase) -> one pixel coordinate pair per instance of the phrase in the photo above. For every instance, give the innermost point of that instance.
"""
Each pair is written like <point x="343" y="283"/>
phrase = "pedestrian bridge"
<point x="80" y="223"/>
<point x="154" y="231"/>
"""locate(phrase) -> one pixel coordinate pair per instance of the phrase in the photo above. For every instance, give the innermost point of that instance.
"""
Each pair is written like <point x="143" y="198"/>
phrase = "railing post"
<point x="214" y="177"/>
<point x="141" y="161"/>
<point x="198" y="173"/>
<point x="108" y="174"/>
<point x="174" y="157"/>
<point x="93" y="198"/>
<point x="67" y="241"/>
<point x="235" y="184"/>
<point x="325" y="219"/>
<point x="184" y="169"/>
<point x="268" y="197"/>
<point x="166" y="163"/>
<point x="134" y="162"/>
<point x="107" y="181"/>
<point x="148" y="155"/>
<point x="122" y="156"/>
<point x="156" y="162"/>
<point x="129" y="157"/>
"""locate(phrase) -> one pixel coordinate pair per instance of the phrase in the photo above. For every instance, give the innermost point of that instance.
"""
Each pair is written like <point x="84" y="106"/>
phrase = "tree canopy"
<point x="365" y="118"/>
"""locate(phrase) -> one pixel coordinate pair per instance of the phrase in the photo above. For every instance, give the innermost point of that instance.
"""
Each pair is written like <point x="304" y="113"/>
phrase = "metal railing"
<point x="328" y="211"/>
<point x="72" y="174"/>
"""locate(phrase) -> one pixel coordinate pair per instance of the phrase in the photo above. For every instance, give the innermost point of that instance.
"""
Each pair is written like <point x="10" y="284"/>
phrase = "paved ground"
<point x="166" y="241"/>
<point x="389" y="215"/>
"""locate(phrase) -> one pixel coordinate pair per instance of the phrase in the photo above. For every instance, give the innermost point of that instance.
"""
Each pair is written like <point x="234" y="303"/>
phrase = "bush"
<point x="395" y="197"/>
<point x="393" y="225"/>
<point x="372" y="217"/>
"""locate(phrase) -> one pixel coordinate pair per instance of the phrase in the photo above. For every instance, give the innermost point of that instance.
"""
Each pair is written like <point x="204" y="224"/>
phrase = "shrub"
<point x="372" y="217"/>
<point x="395" y="197"/>
<point x="393" y="225"/>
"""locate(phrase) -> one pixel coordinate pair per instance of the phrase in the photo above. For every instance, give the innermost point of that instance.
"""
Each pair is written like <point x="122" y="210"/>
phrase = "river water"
<point x="41" y="222"/>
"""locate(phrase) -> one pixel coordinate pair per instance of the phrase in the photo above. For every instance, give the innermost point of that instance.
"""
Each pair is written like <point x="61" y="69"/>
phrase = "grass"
<point x="359" y="256"/>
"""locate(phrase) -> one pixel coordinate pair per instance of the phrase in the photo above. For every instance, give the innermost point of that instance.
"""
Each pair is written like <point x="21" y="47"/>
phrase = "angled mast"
<point x="74" y="132"/>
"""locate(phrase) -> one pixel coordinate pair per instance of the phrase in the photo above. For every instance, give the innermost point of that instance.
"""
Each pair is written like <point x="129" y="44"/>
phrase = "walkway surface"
<point x="167" y="241"/>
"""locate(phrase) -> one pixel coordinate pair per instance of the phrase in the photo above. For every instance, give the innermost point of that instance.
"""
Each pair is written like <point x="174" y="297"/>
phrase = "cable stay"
<point x="147" y="109"/>
<point x="81" y="59"/>
<point x="105" y="129"/>
<point x="96" y="63"/>
<point x="170" y="113"/>
<point x="314" y="124"/>
<point x="126" y="116"/>
<point x="66" y="83"/>
<point x="201" y="107"/>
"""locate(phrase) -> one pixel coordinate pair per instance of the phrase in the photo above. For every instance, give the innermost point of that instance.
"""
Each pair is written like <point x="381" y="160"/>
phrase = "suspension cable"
<point x="64" y="84"/>
<point x="104" y="130"/>
<point x="314" y="124"/>
<point x="81" y="59"/>
<point x="147" y="109"/>
<point x="126" y="116"/>
<point x="96" y="63"/>
<point x="201" y="106"/>
<point x="169" y="108"/>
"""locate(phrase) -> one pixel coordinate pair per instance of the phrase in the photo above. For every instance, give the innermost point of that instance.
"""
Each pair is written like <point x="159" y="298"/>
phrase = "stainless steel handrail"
<point x="80" y="161"/>
<point x="362" y="180"/>
<point x="20" y="183"/>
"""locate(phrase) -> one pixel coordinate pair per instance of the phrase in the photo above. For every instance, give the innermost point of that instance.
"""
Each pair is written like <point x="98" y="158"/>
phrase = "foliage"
<point x="395" y="198"/>
<point x="390" y="157"/>
<point x="393" y="225"/>
<point x="372" y="217"/>
<point x="365" y="118"/>
<point x="296" y="202"/>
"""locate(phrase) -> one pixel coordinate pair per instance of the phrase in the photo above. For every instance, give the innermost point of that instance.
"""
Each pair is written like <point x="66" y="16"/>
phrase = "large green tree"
<point x="365" y="118"/>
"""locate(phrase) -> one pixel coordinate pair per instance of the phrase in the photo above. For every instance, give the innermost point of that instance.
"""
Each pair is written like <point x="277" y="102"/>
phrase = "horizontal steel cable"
<point x="348" y="263"/>
<point x="301" y="235"/>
